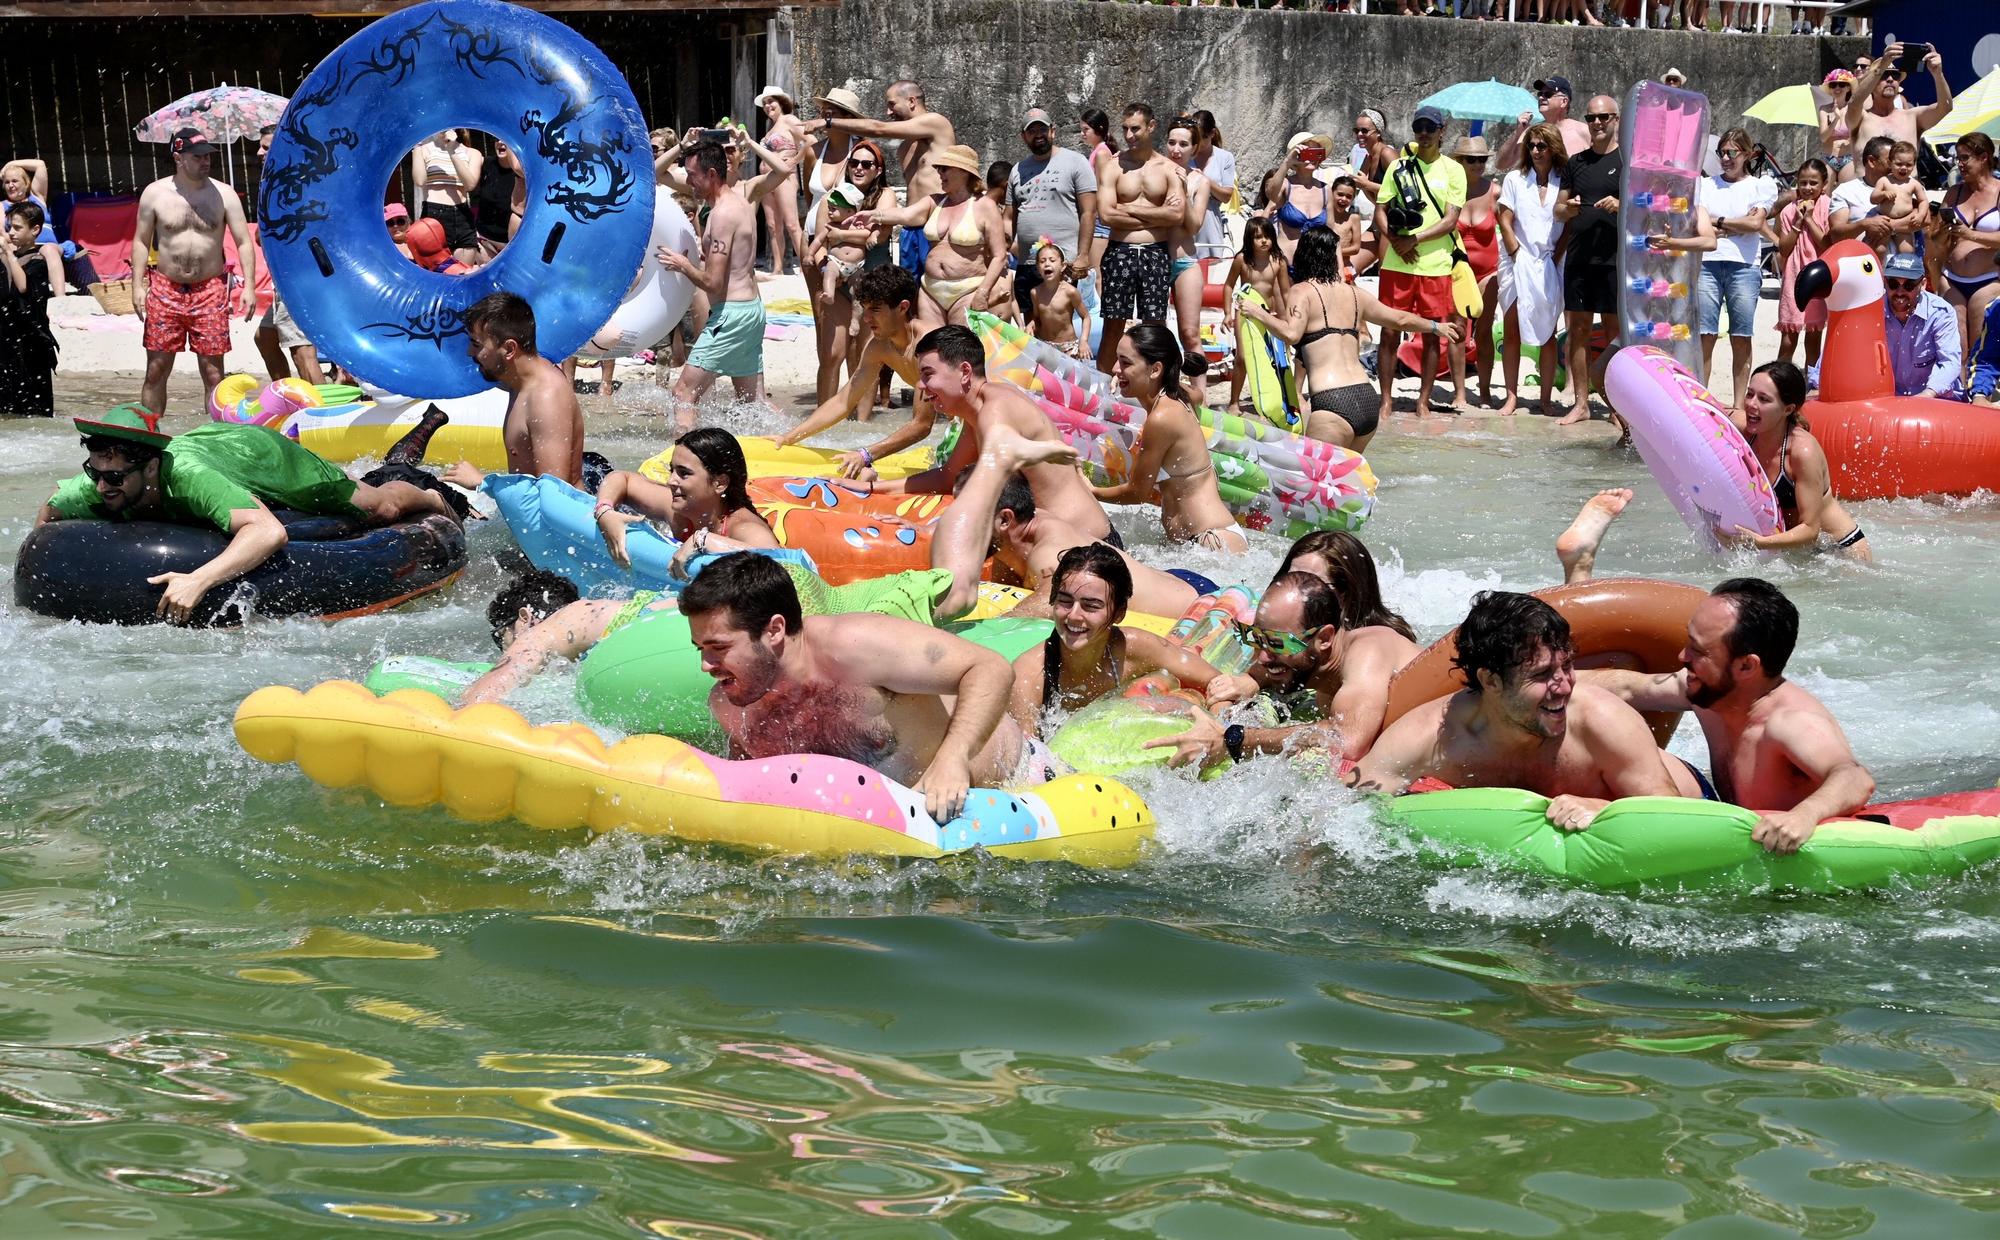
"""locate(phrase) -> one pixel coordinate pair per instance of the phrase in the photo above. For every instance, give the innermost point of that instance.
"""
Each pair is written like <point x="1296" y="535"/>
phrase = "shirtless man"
<point x="1302" y="643"/>
<point x="1523" y="721"/>
<point x="888" y="300"/>
<point x="543" y="430"/>
<point x="919" y="133"/>
<point x="184" y="298"/>
<point x="919" y="705"/>
<point x="1871" y="107"/>
<point x="1142" y="197"/>
<point x="1552" y="95"/>
<point x="951" y="370"/>
<point x="732" y="340"/>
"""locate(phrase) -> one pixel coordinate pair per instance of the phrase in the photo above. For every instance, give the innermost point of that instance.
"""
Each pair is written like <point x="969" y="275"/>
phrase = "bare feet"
<point x="1015" y="451"/>
<point x="1577" y="546"/>
<point x="1507" y="407"/>
<point x="1577" y="415"/>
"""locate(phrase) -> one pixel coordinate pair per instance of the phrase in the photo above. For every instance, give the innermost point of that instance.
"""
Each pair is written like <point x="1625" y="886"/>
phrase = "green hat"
<point x="130" y="421"/>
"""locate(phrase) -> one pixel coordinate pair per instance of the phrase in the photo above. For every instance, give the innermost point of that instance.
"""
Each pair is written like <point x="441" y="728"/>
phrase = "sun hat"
<point x="130" y="421"/>
<point x="1471" y="145"/>
<point x="1306" y="137"/>
<point x="1673" y="77"/>
<point x="841" y="98"/>
<point x="1837" y="75"/>
<point x="961" y="157"/>
<point x="775" y="92"/>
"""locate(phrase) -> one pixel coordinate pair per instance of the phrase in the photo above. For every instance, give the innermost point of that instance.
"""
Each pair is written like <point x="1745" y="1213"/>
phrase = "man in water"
<point x="183" y="297"/>
<point x="1142" y="200"/>
<point x="1523" y="721"/>
<point x="921" y="706"/>
<point x="887" y="297"/>
<point x="1302" y="643"/>
<point x="951" y="370"/>
<point x="543" y="431"/>
<point x="225" y="475"/>
<point x="1871" y="105"/>
<point x="919" y="134"/>
<point x="732" y="341"/>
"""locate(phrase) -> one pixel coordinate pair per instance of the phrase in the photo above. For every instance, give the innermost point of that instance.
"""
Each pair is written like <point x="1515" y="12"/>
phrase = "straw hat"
<point x="961" y="157"/>
<point x="1306" y="137"/>
<point x="1471" y="146"/>
<point x="840" y="98"/>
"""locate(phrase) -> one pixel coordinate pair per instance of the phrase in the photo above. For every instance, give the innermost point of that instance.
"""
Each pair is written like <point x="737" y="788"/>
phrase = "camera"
<point x="1405" y="210"/>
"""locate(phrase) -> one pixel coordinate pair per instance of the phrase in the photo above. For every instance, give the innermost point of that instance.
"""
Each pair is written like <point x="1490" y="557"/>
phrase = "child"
<point x="396" y="217"/>
<point x="1261" y="267"/>
<point x="1802" y="234"/>
<point x="841" y="253"/>
<point x="30" y="272"/>
<point x="1900" y="194"/>
<point x="1057" y="303"/>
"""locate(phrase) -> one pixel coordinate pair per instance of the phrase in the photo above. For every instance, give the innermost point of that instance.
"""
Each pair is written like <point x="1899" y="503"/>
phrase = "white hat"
<point x="775" y="92"/>
<point x="1672" y="76"/>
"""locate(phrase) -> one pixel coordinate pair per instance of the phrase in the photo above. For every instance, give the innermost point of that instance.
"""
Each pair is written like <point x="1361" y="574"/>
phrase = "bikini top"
<point x="1320" y="333"/>
<point x="1782" y="489"/>
<point x="1052" y="665"/>
<point x="1991" y="213"/>
<point x="1293" y="218"/>
<point x="964" y="232"/>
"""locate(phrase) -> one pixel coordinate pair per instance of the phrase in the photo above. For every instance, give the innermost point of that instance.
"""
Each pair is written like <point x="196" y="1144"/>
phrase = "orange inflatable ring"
<point x="1639" y="622"/>
<point x="850" y="534"/>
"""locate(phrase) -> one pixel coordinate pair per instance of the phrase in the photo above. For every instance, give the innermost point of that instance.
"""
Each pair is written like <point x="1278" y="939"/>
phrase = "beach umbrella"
<point x="1975" y="108"/>
<point x="224" y="114"/>
<point x="1483" y="101"/>
<point x="1790" y="105"/>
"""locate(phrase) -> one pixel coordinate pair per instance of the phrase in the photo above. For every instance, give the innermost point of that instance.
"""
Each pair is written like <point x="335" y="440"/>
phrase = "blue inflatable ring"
<point x="477" y="64"/>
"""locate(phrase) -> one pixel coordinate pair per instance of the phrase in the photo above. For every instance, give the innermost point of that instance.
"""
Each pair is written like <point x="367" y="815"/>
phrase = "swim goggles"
<point x="1276" y="641"/>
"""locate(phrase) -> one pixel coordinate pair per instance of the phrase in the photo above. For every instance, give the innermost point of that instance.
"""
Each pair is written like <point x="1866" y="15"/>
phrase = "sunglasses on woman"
<point x="862" y="163"/>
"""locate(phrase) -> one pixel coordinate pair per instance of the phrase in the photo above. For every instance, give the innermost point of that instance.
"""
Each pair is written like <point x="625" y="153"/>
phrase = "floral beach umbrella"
<point x="223" y="114"/>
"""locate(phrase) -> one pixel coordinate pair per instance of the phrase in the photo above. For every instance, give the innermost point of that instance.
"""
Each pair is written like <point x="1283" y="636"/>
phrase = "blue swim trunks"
<point x="732" y="341"/>
<point x="1707" y="789"/>
<point x="912" y="248"/>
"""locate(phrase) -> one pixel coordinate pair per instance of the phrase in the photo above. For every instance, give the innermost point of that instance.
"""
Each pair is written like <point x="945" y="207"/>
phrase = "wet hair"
<point x="1317" y="256"/>
<point x="1790" y="383"/>
<point x="1903" y="148"/>
<point x="1099" y="121"/>
<point x="1155" y="342"/>
<point x="1101" y="561"/>
<point x="955" y="345"/>
<point x="542" y="593"/>
<point x="1979" y="143"/>
<point x="1259" y="226"/>
<point x="504" y="316"/>
<point x="1502" y="632"/>
<point x="709" y="156"/>
<point x="1877" y="147"/>
<point x="719" y="453"/>
<point x="1767" y="624"/>
<point x="997" y="173"/>
<point x="1319" y="602"/>
<point x="1018" y="498"/>
<point x="1205" y="126"/>
<point x="1558" y="153"/>
<point x="30" y="212"/>
<point x="1354" y="578"/>
<point x="1140" y="109"/>
<point x="135" y="454"/>
<point x="887" y="285"/>
<point x="750" y="587"/>
<point x="1815" y="164"/>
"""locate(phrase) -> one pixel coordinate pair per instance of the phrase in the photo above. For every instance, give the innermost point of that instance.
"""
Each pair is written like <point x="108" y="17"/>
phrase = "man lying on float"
<point x="228" y="475"/>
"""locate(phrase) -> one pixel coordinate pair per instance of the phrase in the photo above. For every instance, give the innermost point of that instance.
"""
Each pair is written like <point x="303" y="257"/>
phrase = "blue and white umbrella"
<point x="1483" y="101"/>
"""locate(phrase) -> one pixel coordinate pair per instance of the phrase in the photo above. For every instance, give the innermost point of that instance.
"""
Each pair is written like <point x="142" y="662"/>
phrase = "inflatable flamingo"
<point x="1880" y="445"/>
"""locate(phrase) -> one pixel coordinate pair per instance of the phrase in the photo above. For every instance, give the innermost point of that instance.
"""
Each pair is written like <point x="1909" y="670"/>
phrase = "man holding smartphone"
<point x="1872" y="110"/>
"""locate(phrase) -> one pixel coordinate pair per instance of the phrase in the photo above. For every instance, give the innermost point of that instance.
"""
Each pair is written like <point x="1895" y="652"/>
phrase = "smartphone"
<point x="1913" y="56"/>
<point x="717" y="135"/>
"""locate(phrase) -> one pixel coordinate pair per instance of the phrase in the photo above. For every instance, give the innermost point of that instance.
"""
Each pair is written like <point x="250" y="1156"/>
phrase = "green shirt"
<point x="214" y="470"/>
<point x="1447" y="181"/>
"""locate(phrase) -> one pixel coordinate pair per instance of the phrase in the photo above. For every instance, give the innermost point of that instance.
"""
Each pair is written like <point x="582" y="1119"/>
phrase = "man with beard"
<point x="544" y="427"/>
<point x="1051" y="196"/>
<point x="1523" y="721"/>
<point x="1774" y="747"/>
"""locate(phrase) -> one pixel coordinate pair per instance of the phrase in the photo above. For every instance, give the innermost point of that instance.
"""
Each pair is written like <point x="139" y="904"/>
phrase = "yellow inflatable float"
<point x="767" y="460"/>
<point x="486" y="763"/>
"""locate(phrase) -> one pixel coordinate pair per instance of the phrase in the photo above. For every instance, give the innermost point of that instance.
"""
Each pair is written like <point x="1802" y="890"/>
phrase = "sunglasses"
<point x="862" y="163"/>
<point x="1728" y="154"/>
<point x="1273" y="641"/>
<point x="1903" y="286"/>
<point x="1472" y="159"/>
<point x="1596" y="118"/>
<point x="1362" y="131"/>
<point x="1424" y="127"/>
<point x="1538" y="146"/>
<point x="1892" y="75"/>
<point x="111" y="477"/>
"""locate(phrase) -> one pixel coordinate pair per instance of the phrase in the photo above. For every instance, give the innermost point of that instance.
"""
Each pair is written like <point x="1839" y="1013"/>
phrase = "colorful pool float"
<point x="767" y="460"/>
<point x="1690" y="445"/>
<point x="1271" y="479"/>
<point x="487" y="763"/>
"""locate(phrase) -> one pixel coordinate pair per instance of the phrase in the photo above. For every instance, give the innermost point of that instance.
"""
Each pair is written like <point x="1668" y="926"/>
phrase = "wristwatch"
<point x="1232" y="740"/>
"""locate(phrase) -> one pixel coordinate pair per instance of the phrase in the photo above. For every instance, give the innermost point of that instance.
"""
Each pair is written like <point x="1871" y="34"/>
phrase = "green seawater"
<point x="233" y="1003"/>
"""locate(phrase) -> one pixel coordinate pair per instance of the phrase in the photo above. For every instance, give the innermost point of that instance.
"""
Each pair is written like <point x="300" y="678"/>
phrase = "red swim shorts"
<point x="191" y="318"/>
<point x="1429" y="296"/>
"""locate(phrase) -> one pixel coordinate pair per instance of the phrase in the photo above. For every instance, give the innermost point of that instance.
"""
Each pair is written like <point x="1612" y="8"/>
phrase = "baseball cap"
<point x="1036" y="116"/>
<point x="1554" y="86"/>
<point x="192" y="141"/>
<point x="1434" y="115"/>
<point x="1903" y="267"/>
<point x="845" y="194"/>
<point x="395" y="211"/>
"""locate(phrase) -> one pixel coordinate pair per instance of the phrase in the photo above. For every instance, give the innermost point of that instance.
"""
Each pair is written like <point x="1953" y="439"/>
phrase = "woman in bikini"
<point x="1170" y="464"/>
<point x="1796" y="465"/>
<point x="785" y="236"/>
<point x="1301" y="201"/>
<point x="1088" y="655"/>
<point x="703" y="500"/>
<point x="1095" y="133"/>
<point x="1836" y="140"/>
<point x="1325" y="326"/>
<point x="1967" y="232"/>
<point x="968" y="240"/>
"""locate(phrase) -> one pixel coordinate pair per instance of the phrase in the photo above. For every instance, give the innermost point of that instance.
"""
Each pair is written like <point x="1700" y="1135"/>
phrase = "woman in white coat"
<point x="1530" y="282"/>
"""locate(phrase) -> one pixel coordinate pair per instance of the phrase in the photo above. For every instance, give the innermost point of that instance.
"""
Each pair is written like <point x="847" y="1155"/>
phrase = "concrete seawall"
<point x="1264" y="74"/>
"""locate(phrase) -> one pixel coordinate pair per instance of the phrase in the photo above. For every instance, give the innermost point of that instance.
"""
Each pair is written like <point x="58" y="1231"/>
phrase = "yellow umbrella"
<point x="1977" y="107"/>
<point x="1789" y="105"/>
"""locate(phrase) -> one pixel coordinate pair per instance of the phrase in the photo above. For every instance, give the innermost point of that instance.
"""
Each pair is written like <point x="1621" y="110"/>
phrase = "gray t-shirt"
<point x="1045" y="193"/>
<point x="1213" y="239"/>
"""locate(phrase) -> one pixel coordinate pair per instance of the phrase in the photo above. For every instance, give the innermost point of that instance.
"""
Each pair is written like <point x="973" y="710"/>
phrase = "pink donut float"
<point x="1689" y="444"/>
